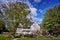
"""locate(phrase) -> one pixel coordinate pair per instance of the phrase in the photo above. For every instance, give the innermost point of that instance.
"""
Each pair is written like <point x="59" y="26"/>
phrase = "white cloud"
<point x="29" y="4"/>
<point x="33" y="16"/>
<point x="33" y="11"/>
<point x="6" y="1"/>
<point x="37" y="1"/>
<point x="40" y="20"/>
<point x="41" y="11"/>
<point x="28" y="16"/>
<point x="37" y="20"/>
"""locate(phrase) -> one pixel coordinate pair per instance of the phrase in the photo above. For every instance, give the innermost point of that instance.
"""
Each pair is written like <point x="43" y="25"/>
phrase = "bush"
<point x="18" y="35"/>
<point x="27" y="35"/>
<point x="30" y="35"/>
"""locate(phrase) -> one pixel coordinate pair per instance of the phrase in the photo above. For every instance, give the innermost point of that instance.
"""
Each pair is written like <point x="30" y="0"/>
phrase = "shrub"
<point x="18" y="35"/>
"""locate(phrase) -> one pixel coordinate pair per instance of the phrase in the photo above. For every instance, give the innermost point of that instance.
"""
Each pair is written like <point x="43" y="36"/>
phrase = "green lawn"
<point x="29" y="39"/>
<point x="5" y="37"/>
<point x="38" y="39"/>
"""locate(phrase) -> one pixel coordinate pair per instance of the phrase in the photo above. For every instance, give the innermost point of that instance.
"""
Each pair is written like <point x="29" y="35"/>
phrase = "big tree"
<point x="51" y="18"/>
<point x="16" y="13"/>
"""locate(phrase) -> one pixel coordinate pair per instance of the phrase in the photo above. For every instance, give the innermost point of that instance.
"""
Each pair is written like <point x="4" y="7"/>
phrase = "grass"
<point x="29" y="39"/>
<point x="39" y="39"/>
<point x="5" y="37"/>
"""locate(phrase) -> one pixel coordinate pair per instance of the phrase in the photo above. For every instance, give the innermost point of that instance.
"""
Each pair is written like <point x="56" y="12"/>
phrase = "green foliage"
<point x="51" y="18"/>
<point x="1" y="16"/>
<point x="2" y="25"/>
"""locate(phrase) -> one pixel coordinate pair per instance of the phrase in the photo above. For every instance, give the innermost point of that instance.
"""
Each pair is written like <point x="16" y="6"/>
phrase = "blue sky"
<point x="37" y="7"/>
